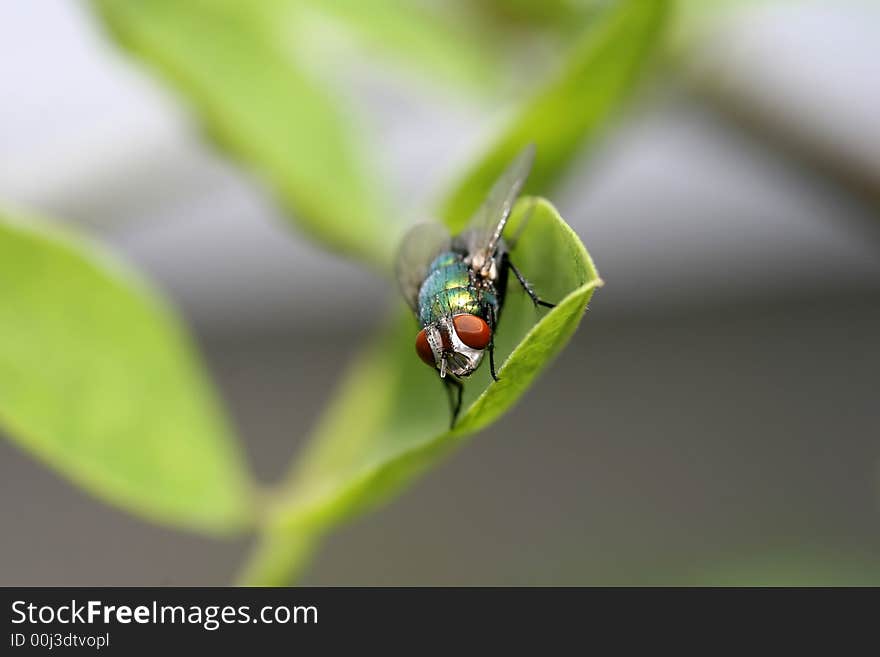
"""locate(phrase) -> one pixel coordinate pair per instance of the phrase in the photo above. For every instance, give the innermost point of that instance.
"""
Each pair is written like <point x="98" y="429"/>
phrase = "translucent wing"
<point x="486" y="226"/>
<point x="421" y="244"/>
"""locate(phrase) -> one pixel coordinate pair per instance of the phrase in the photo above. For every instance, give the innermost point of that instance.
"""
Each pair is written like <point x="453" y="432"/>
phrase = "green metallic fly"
<point x="456" y="285"/>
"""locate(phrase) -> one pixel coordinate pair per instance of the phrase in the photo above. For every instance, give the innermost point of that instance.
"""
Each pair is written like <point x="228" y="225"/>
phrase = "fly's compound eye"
<point x="423" y="349"/>
<point x="472" y="330"/>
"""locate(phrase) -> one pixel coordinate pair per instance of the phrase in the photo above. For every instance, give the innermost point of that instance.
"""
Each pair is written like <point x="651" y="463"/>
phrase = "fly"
<point x="456" y="285"/>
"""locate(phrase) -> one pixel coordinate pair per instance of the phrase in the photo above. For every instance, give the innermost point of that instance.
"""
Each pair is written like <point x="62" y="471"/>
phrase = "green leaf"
<point x="558" y="13"/>
<point x="696" y="16"/>
<point x="572" y="108"/>
<point x="99" y="381"/>
<point x="389" y="420"/>
<point x="423" y="36"/>
<point x="799" y="565"/>
<point x="258" y="102"/>
<point x="387" y="423"/>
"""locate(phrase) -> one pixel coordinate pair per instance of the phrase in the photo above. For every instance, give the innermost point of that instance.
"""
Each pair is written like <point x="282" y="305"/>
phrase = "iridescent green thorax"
<point x="449" y="290"/>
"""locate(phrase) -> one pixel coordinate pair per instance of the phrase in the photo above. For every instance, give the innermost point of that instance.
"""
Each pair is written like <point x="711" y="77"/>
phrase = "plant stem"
<point x="278" y="558"/>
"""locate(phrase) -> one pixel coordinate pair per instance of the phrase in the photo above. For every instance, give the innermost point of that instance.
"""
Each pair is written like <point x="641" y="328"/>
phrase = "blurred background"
<point x="714" y="420"/>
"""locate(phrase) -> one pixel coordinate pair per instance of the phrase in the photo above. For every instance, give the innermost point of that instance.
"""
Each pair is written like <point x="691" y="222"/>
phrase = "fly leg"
<point x="538" y="301"/>
<point x="454" y="389"/>
<point x="490" y="314"/>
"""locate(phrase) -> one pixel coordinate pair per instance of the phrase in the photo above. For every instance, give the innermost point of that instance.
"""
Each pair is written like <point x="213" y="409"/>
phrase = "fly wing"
<point x="421" y="244"/>
<point x="486" y="226"/>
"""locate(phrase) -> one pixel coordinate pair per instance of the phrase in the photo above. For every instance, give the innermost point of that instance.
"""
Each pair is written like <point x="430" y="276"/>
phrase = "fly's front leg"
<point x="454" y="388"/>
<point x="493" y="322"/>
<point x="538" y="301"/>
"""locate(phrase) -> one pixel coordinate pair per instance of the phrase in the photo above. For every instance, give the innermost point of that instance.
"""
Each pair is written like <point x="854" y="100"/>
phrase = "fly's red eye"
<point x="472" y="330"/>
<point x="423" y="349"/>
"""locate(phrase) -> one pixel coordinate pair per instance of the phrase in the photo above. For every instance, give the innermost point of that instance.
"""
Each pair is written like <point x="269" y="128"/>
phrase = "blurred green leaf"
<point x="697" y="15"/>
<point x="260" y="104"/>
<point x="99" y="381"/>
<point x="556" y="13"/>
<point x="597" y="75"/>
<point x="427" y="36"/>
<point x="699" y="23"/>
<point x="390" y="419"/>
<point x="797" y="566"/>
